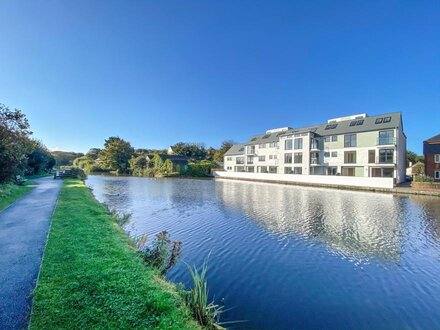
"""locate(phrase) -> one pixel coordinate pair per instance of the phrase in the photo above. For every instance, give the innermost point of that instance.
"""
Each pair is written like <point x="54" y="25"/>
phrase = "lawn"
<point x="10" y="192"/>
<point x="92" y="278"/>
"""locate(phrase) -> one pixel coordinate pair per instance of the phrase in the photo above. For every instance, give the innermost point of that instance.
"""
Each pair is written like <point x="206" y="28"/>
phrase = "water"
<point x="286" y="257"/>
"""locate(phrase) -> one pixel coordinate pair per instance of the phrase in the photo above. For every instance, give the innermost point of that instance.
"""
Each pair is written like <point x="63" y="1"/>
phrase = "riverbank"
<point x="11" y="192"/>
<point x="92" y="278"/>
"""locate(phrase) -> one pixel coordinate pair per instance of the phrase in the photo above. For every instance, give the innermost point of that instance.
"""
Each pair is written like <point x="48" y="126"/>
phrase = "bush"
<point x="201" y="169"/>
<point x="78" y="173"/>
<point x="423" y="178"/>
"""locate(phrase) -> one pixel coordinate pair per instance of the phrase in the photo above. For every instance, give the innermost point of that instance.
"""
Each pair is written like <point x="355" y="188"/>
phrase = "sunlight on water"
<point x="294" y="257"/>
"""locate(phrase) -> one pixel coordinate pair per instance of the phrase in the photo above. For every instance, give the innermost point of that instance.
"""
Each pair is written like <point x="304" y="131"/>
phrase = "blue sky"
<point x="159" y="72"/>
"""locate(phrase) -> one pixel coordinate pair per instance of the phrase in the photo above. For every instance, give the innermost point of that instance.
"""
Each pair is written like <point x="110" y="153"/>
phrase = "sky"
<point x="159" y="72"/>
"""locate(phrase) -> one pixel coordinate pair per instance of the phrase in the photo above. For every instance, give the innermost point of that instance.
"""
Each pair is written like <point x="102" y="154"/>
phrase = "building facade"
<point x="431" y="152"/>
<point x="357" y="145"/>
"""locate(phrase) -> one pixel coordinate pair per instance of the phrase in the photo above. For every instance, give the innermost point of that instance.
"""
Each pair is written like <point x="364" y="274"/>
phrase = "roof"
<point x="236" y="149"/>
<point x="434" y="139"/>
<point x="175" y="159"/>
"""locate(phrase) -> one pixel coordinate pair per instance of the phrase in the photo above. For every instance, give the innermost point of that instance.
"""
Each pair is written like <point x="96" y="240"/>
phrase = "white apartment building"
<point x="357" y="145"/>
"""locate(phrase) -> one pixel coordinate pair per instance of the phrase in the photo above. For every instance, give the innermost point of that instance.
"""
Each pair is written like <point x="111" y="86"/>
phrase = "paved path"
<point x="23" y="232"/>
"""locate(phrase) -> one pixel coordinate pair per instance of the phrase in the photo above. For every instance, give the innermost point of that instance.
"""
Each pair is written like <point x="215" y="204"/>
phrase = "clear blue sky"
<point x="159" y="72"/>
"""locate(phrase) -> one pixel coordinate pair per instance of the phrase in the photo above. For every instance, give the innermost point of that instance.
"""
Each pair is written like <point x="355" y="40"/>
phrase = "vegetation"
<point x="423" y="178"/>
<point x="10" y="192"/>
<point x="65" y="158"/>
<point x="226" y="145"/>
<point x="200" y="169"/>
<point x="116" y="155"/>
<point x="104" y="284"/>
<point x="418" y="169"/>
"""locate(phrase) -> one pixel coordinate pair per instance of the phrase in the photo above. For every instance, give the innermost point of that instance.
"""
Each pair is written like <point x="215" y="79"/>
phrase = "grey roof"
<point x="434" y="139"/>
<point x="394" y="120"/>
<point x="236" y="149"/>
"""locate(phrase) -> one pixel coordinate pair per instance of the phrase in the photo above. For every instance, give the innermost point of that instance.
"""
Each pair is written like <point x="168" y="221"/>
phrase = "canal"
<point x="285" y="257"/>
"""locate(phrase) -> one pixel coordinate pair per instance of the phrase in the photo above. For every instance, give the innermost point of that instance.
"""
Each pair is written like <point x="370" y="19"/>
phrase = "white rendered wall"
<point x="352" y="181"/>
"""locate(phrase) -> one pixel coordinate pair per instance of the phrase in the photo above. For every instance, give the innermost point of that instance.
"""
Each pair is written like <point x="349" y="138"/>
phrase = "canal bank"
<point x="345" y="183"/>
<point x="91" y="277"/>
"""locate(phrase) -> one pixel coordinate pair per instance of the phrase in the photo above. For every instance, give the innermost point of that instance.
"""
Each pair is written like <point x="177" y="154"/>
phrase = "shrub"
<point x="423" y="178"/>
<point x="201" y="169"/>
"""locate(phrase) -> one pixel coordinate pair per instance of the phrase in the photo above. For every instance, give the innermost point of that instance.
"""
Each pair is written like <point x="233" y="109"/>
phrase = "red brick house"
<point x="431" y="151"/>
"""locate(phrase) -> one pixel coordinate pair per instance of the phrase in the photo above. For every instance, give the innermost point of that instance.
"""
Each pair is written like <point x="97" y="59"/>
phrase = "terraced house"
<point x="356" y="145"/>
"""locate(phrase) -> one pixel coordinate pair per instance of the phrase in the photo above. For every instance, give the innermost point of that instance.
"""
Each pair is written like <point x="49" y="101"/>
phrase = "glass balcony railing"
<point x="386" y="140"/>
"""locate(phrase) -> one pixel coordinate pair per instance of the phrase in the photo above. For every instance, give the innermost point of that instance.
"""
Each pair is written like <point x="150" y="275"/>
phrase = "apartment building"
<point x="357" y="145"/>
<point x="431" y="152"/>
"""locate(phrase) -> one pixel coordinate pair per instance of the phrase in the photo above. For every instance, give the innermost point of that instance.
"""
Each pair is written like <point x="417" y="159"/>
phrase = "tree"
<point x="411" y="157"/>
<point x="14" y="142"/>
<point x="40" y="159"/>
<point x="138" y="163"/>
<point x="93" y="153"/>
<point x="116" y="155"/>
<point x="194" y="151"/>
<point x="226" y="145"/>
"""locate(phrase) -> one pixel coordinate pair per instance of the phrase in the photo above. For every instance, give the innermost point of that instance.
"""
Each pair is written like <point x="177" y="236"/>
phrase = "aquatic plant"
<point x="121" y="218"/>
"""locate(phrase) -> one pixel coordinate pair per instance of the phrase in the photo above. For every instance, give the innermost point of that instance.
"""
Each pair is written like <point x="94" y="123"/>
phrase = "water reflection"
<point x="358" y="225"/>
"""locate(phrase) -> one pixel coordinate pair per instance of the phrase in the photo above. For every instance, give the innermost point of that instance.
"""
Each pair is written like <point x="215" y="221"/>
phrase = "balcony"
<point x="384" y="141"/>
<point x="314" y="161"/>
<point x="250" y="150"/>
<point x="384" y="160"/>
<point x="314" y="145"/>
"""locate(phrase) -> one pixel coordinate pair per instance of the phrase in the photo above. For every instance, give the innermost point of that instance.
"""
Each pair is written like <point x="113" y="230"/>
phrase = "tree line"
<point x="20" y="154"/>
<point x="119" y="157"/>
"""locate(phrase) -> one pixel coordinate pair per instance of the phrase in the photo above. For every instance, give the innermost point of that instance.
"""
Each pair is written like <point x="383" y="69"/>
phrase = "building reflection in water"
<point x="357" y="225"/>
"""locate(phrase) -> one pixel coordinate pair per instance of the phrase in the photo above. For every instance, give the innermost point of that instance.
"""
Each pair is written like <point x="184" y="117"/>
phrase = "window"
<point x="298" y="158"/>
<point x="273" y="169"/>
<point x="297" y="170"/>
<point x="387" y="119"/>
<point x="250" y="169"/>
<point x="437" y="158"/>
<point x="262" y="169"/>
<point x="250" y="159"/>
<point x="262" y="145"/>
<point x="266" y="136"/>
<point x="327" y="139"/>
<point x="331" y="126"/>
<point x="326" y="154"/>
<point x="350" y="140"/>
<point x="250" y="149"/>
<point x="348" y="171"/>
<point x="288" y="170"/>
<point x="270" y="156"/>
<point x="288" y="158"/>
<point x="334" y="154"/>
<point x="386" y="156"/>
<point x="386" y="137"/>
<point x="359" y="122"/>
<point x="239" y="160"/>
<point x="288" y="145"/>
<point x="379" y="121"/>
<point x="371" y="156"/>
<point x="228" y="158"/>
<point x="275" y="156"/>
<point x="241" y="149"/>
<point x="298" y="143"/>
<point x="353" y="123"/>
<point x="437" y="175"/>
<point x="350" y="157"/>
<point x="261" y="158"/>
<point x="334" y="138"/>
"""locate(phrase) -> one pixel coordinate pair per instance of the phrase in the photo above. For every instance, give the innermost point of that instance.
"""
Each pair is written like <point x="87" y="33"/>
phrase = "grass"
<point x="10" y="192"/>
<point x="91" y="277"/>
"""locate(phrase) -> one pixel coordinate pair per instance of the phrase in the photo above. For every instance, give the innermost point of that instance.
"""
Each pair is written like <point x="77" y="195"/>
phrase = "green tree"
<point x="418" y="169"/>
<point x="65" y="158"/>
<point x="411" y="157"/>
<point x="14" y="142"/>
<point x="116" y="154"/>
<point x="40" y="159"/>
<point x="194" y="151"/>
<point x="226" y="145"/>
<point x="93" y="153"/>
<point x="138" y="164"/>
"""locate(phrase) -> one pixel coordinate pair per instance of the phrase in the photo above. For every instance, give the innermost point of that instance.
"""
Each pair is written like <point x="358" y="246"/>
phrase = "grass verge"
<point x="10" y="192"/>
<point x="91" y="277"/>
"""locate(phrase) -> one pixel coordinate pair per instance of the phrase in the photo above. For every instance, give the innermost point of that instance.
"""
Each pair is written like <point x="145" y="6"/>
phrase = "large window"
<point x="261" y="158"/>
<point x="350" y="157"/>
<point x="288" y="158"/>
<point x="288" y="145"/>
<point x="297" y="170"/>
<point x="250" y="159"/>
<point x="298" y="143"/>
<point x="348" y="171"/>
<point x="298" y="158"/>
<point x="386" y="156"/>
<point x="288" y="170"/>
<point x="386" y="137"/>
<point x="334" y="138"/>
<point x="350" y="140"/>
<point x="382" y="172"/>
<point x="239" y="160"/>
<point x="273" y="169"/>
<point x="437" y="158"/>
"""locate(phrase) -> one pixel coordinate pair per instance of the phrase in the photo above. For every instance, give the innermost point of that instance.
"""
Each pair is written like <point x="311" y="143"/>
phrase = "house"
<point x="431" y="152"/>
<point x="356" y="145"/>
<point x="180" y="163"/>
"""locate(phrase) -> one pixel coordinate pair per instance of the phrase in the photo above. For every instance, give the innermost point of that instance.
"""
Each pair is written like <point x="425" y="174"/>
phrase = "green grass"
<point x="10" y="192"/>
<point x="91" y="277"/>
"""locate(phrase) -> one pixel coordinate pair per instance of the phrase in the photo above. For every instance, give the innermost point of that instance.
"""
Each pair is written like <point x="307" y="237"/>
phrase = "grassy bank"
<point x="10" y="192"/>
<point x="92" y="278"/>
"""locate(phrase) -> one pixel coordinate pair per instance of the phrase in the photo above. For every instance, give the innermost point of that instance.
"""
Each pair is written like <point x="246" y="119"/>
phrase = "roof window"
<point x="332" y="126"/>
<point x="387" y="119"/>
<point x="266" y="136"/>
<point x="360" y="122"/>
<point x="379" y="121"/>
<point x="353" y="123"/>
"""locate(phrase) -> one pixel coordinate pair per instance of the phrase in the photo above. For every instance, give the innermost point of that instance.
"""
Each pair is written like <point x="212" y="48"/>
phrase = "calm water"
<point x="286" y="257"/>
